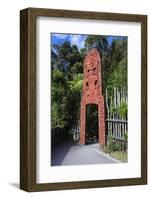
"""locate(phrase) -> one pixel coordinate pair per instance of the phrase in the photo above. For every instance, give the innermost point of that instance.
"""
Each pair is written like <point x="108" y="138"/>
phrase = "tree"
<point x="67" y="69"/>
<point x="118" y="69"/>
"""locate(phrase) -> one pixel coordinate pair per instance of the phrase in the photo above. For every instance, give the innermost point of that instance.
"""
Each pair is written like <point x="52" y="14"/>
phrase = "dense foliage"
<point x="67" y="74"/>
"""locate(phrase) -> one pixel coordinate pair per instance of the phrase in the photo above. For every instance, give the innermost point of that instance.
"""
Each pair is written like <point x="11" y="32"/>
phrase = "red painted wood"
<point x="92" y="93"/>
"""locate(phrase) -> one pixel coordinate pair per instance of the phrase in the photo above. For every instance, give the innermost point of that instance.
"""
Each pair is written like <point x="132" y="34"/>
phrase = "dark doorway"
<point x="91" y="123"/>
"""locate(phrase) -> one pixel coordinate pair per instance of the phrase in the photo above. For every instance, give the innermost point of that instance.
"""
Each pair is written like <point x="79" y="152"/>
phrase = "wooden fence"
<point x="75" y="130"/>
<point x="116" y="102"/>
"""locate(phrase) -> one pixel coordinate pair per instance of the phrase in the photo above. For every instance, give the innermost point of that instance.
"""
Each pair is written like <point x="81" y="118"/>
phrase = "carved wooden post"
<point x="101" y="116"/>
<point x="82" y="121"/>
<point x="92" y="93"/>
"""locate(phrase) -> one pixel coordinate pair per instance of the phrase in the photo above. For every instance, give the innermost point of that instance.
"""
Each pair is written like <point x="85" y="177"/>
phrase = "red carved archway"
<point x="92" y="93"/>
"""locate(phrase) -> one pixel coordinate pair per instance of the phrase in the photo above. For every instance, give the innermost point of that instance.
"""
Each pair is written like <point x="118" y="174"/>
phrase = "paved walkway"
<point x="66" y="153"/>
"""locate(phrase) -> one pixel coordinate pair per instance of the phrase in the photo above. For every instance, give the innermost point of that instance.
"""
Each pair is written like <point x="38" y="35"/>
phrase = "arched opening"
<point x="92" y="132"/>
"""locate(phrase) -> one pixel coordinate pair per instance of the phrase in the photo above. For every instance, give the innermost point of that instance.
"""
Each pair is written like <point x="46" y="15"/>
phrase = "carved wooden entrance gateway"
<point x="92" y="93"/>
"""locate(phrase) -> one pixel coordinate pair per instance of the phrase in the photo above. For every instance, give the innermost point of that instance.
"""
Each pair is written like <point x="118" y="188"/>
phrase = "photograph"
<point x="89" y="99"/>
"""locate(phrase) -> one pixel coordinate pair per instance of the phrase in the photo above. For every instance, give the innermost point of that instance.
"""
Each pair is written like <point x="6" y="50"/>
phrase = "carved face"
<point x="91" y="73"/>
<point x="91" y="63"/>
<point x="91" y="86"/>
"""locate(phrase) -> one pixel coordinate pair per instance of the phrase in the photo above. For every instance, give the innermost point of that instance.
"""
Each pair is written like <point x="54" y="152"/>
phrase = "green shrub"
<point x="123" y="110"/>
<point x="126" y="136"/>
<point x="112" y="145"/>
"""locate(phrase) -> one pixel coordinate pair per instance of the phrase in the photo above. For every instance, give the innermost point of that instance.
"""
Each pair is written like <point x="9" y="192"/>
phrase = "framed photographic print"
<point x="83" y="99"/>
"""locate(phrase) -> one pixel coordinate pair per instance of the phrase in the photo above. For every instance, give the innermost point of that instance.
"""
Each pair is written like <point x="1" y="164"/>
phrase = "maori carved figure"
<point x="92" y="93"/>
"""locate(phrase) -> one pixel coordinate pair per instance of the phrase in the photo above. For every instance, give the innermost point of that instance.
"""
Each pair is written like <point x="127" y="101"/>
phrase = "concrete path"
<point x="66" y="153"/>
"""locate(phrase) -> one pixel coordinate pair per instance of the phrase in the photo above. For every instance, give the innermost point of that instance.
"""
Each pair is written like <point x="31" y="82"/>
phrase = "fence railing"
<point x="116" y="119"/>
<point x="75" y="130"/>
<point x="117" y="128"/>
<point x="115" y="100"/>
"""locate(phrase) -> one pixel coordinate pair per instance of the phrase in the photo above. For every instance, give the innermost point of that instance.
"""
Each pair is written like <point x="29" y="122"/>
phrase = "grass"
<point x="119" y="155"/>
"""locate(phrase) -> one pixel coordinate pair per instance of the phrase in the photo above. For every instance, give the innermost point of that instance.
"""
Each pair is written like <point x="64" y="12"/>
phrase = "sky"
<point x="74" y="39"/>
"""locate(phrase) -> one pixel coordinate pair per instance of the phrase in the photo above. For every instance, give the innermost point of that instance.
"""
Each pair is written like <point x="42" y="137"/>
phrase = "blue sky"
<point x="74" y="39"/>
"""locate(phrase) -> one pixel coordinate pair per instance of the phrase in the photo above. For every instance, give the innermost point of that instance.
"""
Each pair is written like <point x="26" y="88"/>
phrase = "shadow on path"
<point x="59" y="151"/>
<point x="69" y="153"/>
